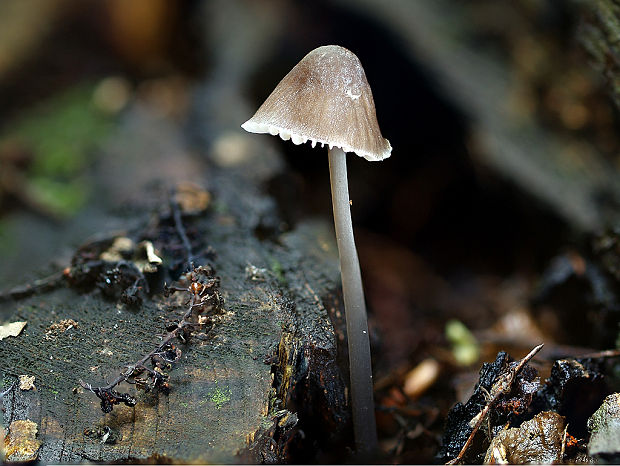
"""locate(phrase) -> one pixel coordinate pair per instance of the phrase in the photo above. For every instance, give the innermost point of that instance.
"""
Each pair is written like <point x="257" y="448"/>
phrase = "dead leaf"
<point x="538" y="440"/>
<point x="11" y="330"/>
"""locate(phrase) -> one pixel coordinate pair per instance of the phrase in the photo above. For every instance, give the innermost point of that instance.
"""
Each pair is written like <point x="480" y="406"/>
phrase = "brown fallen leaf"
<point x="538" y="440"/>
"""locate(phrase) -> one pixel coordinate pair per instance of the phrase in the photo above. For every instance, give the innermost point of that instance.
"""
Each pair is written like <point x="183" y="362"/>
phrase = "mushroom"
<point x="326" y="99"/>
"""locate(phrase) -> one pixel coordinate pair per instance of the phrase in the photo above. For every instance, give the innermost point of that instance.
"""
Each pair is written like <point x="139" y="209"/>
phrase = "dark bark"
<point x="240" y="391"/>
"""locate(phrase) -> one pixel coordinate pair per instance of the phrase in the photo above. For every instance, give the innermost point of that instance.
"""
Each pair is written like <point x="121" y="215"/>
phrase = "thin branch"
<point x="200" y="298"/>
<point x="37" y="286"/>
<point x="600" y="354"/>
<point x="178" y="225"/>
<point x="501" y="386"/>
<point x="140" y="363"/>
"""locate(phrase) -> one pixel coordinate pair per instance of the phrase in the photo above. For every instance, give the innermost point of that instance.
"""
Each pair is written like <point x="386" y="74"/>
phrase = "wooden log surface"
<point x="269" y="363"/>
<point x="273" y="340"/>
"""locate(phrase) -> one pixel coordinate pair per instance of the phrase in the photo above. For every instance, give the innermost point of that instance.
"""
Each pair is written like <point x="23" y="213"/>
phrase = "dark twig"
<point x="37" y="286"/>
<point x="178" y="225"/>
<point x="80" y="273"/>
<point x="502" y="386"/>
<point x="139" y="366"/>
<point x="77" y="274"/>
<point x="203" y="295"/>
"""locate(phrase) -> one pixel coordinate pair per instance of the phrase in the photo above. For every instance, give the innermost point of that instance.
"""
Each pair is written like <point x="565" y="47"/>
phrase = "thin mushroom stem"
<point x="362" y="403"/>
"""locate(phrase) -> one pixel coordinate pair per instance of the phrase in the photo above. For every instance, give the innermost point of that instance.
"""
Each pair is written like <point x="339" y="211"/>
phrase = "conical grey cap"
<point x="324" y="99"/>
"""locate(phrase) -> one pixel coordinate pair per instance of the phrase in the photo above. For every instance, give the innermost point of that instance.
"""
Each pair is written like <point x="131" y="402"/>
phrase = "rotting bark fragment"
<point x="573" y="390"/>
<point x="505" y="390"/>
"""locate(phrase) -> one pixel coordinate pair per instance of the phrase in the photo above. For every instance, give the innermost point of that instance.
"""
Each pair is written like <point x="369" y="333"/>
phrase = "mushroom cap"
<point x="325" y="98"/>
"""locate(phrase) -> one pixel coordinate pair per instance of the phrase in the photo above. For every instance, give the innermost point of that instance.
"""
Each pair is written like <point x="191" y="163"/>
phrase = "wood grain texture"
<point x="226" y="403"/>
<point x="223" y="394"/>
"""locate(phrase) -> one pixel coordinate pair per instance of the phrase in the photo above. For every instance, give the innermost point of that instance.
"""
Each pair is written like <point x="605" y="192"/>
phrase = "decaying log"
<point x="273" y="341"/>
<point x="266" y="368"/>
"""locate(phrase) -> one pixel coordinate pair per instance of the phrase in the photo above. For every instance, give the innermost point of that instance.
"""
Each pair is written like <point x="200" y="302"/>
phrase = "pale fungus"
<point x="326" y="99"/>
